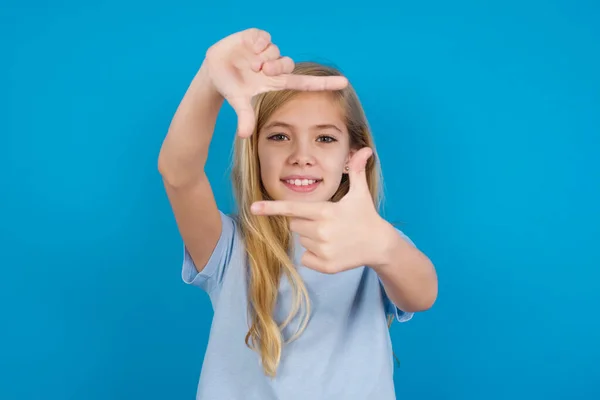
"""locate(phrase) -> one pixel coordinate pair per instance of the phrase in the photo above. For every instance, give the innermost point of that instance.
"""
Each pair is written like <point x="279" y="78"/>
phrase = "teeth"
<point x="301" y="182"/>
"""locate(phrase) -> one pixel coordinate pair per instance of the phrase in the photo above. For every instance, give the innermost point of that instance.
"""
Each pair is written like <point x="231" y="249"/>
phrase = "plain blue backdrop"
<point x="487" y="120"/>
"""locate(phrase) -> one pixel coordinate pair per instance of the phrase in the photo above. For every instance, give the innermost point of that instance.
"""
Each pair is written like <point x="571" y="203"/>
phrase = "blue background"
<point x="487" y="120"/>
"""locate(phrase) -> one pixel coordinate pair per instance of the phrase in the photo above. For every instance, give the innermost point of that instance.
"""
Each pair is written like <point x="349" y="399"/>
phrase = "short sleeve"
<point x="212" y="274"/>
<point x="390" y="307"/>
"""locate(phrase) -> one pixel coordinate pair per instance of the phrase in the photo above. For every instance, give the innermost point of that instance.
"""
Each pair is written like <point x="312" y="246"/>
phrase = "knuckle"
<point x="322" y="232"/>
<point x="327" y="254"/>
<point x="253" y="36"/>
<point x="275" y="50"/>
<point x="255" y="32"/>
<point x="248" y="36"/>
<point x="287" y="64"/>
<point x="264" y="34"/>
<point x="272" y="67"/>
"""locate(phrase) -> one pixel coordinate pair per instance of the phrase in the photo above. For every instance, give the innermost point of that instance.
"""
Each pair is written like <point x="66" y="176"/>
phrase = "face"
<point x="303" y="149"/>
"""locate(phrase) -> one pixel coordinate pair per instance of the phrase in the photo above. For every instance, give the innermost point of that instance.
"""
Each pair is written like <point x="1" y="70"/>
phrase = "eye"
<point x="326" y="139"/>
<point x="278" y="137"/>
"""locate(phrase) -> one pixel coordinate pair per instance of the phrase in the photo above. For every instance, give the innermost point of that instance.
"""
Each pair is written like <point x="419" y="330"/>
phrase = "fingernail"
<point x="256" y="207"/>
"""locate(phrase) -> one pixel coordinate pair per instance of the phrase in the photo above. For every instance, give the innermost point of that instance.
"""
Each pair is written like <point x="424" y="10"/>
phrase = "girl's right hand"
<point x="247" y="63"/>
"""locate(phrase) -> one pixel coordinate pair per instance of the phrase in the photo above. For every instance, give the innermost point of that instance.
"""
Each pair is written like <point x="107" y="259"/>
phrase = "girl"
<point x="301" y="280"/>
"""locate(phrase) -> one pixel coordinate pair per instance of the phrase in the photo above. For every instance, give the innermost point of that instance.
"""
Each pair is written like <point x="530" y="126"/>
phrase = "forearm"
<point x="408" y="276"/>
<point x="185" y="148"/>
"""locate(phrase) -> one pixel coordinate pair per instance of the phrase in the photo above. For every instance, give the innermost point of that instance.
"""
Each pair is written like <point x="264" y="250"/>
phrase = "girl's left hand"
<point x="337" y="236"/>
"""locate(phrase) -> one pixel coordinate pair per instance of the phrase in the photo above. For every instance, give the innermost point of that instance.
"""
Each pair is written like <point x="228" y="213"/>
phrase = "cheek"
<point x="268" y="162"/>
<point x="334" y="163"/>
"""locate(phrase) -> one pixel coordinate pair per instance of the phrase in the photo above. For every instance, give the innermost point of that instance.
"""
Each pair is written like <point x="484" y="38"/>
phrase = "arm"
<point x="408" y="276"/>
<point x="236" y="68"/>
<point x="181" y="163"/>
<point x="351" y="233"/>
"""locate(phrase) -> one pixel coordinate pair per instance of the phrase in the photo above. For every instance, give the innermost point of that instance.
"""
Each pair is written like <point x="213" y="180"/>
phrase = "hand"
<point x="337" y="236"/>
<point x="247" y="63"/>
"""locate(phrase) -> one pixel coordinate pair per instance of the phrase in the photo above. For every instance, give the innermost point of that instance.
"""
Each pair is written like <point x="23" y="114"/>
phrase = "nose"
<point x="301" y="155"/>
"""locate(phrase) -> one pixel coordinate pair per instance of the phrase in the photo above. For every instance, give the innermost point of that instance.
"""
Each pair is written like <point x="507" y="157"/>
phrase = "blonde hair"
<point x="268" y="240"/>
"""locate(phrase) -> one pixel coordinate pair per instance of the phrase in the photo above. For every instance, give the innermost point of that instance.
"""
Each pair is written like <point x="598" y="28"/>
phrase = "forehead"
<point x="310" y="108"/>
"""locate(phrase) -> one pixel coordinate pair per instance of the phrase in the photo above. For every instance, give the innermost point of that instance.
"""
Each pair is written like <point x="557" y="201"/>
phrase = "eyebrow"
<point x="280" y="124"/>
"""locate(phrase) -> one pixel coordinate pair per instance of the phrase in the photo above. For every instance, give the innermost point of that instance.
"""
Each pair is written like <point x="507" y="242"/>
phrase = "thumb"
<point x="245" y="116"/>
<point x="357" y="170"/>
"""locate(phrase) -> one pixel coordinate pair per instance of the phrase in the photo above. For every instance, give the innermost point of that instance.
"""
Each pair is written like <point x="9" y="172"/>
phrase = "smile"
<point x="301" y="185"/>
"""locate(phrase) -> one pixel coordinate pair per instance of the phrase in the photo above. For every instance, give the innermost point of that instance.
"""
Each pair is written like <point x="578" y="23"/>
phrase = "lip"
<point x="300" y="177"/>
<point x="303" y="188"/>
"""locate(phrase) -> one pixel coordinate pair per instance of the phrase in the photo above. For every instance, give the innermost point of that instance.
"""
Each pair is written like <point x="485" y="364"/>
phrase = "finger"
<point x="304" y="227"/>
<point x="357" y="170"/>
<point x="314" y="262"/>
<point x="307" y="210"/>
<point x="257" y="40"/>
<point x="246" y="58"/>
<point x="310" y="260"/>
<point x="284" y="65"/>
<point x="245" y="115"/>
<point x="316" y="248"/>
<point x="270" y="53"/>
<point x="309" y="245"/>
<point x="310" y="83"/>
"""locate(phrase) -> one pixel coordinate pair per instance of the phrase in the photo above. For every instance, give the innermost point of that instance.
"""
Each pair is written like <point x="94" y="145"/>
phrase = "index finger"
<point x="307" y="210"/>
<point x="313" y="83"/>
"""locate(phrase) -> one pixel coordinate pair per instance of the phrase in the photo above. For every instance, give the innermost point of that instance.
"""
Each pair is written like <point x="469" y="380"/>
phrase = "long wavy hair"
<point x="268" y="240"/>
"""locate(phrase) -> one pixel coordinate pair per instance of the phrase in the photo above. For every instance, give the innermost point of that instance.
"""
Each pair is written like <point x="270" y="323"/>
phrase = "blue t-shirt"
<point x="345" y="351"/>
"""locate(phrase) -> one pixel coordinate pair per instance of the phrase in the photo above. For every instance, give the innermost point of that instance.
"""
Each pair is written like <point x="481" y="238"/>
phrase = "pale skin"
<point x="306" y="138"/>
<point x="235" y="69"/>
<point x="337" y="236"/>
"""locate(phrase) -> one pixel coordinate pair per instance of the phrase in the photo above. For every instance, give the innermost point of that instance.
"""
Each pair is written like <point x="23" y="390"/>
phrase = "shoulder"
<point x="226" y="250"/>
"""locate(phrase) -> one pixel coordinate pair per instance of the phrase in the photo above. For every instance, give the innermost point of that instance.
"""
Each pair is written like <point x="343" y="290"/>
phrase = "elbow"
<point x="429" y="300"/>
<point x="421" y="304"/>
<point x="426" y="297"/>
<point x="430" y="294"/>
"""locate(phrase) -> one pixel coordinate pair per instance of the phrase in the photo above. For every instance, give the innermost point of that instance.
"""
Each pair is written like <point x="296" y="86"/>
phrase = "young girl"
<point x="302" y="278"/>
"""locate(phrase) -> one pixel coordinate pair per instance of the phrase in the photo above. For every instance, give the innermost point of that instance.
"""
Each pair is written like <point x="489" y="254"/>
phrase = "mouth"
<point x="301" y="184"/>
